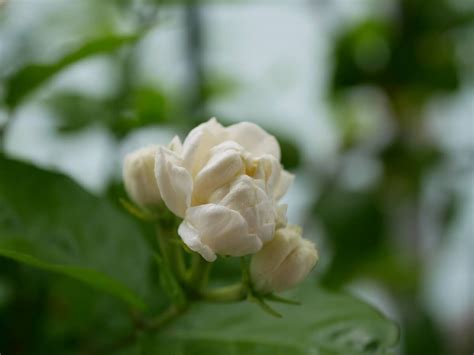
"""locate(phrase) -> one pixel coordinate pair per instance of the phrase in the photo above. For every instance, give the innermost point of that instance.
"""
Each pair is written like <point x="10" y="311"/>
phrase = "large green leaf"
<point x="28" y="78"/>
<point x="325" y="323"/>
<point x="49" y="222"/>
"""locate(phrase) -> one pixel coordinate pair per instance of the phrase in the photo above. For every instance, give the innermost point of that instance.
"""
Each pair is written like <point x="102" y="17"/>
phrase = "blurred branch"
<point x="3" y="132"/>
<point x="194" y="45"/>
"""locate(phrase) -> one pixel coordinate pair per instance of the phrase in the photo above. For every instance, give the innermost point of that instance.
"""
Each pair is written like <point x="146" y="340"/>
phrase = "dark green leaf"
<point x="355" y="226"/>
<point x="49" y="222"/>
<point x="27" y="79"/>
<point x="290" y="152"/>
<point x="76" y="111"/>
<point x="326" y="323"/>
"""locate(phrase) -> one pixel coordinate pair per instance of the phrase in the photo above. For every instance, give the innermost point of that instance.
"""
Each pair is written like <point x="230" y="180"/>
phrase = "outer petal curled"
<point x="174" y="181"/>
<point x="248" y="197"/>
<point x="225" y="163"/>
<point x="284" y="262"/>
<point x="213" y="229"/>
<point x="278" y="181"/>
<point x="199" y="142"/>
<point x="254" y="139"/>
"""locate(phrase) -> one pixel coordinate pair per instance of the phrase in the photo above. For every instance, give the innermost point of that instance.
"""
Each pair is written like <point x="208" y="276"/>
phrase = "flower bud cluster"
<point x="226" y="183"/>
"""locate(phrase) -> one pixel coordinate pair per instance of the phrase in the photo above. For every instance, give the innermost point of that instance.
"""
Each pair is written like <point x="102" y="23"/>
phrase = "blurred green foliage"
<point x="409" y="57"/>
<point x="30" y="77"/>
<point x="412" y="53"/>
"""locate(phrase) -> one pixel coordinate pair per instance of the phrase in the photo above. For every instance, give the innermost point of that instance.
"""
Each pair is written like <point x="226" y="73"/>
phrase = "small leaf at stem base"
<point x="279" y="299"/>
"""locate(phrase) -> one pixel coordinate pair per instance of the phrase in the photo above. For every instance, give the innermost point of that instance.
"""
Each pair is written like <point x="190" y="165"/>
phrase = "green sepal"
<point x="274" y="298"/>
<point x="137" y="212"/>
<point x="264" y="306"/>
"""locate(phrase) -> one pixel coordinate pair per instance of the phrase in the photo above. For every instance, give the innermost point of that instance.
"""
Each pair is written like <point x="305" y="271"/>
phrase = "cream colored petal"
<point x="223" y="166"/>
<point x="176" y="146"/>
<point x="139" y="177"/>
<point x="267" y="260"/>
<point x="192" y="238"/>
<point x="243" y="192"/>
<point x="198" y="143"/>
<point x="277" y="180"/>
<point x="220" y="229"/>
<point x="269" y="170"/>
<point x="254" y="139"/>
<point x="281" y="219"/>
<point x="248" y="197"/>
<point x="283" y="184"/>
<point x="261" y="220"/>
<point x="174" y="181"/>
<point x="284" y="262"/>
<point x="296" y="267"/>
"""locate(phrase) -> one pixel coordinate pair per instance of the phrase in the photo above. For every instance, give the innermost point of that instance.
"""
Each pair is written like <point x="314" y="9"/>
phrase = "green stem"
<point x="199" y="273"/>
<point x="232" y="293"/>
<point x="164" y="318"/>
<point x="171" y="252"/>
<point x="244" y="267"/>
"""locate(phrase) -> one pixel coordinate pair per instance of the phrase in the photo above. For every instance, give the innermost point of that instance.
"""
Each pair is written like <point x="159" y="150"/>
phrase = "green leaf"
<point x="28" y="78"/>
<point x="49" y="222"/>
<point x="75" y="111"/>
<point x="290" y="152"/>
<point x="325" y="323"/>
<point x="89" y="276"/>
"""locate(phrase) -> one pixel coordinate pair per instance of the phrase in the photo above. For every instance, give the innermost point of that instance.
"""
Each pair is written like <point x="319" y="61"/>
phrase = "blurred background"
<point x="372" y="101"/>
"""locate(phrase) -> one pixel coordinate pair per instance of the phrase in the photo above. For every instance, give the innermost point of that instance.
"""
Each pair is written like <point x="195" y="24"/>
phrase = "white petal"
<point x="269" y="169"/>
<point x="191" y="238"/>
<point x="296" y="267"/>
<point x="281" y="218"/>
<point x="199" y="142"/>
<point x="174" y="181"/>
<point x="284" y="262"/>
<point x="176" y="145"/>
<point x="267" y="260"/>
<point x="248" y="197"/>
<point x="261" y="220"/>
<point x="283" y="184"/>
<point x="254" y="139"/>
<point x="223" y="166"/>
<point x="218" y="229"/>
<point x="243" y="192"/>
<point x="139" y="177"/>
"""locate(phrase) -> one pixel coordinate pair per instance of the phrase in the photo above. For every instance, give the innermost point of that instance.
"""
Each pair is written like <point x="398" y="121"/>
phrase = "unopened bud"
<point x="139" y="177"/>
<point x="284" y="262"/>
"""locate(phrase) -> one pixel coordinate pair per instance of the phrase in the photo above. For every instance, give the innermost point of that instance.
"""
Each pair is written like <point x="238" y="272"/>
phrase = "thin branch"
<point x="164" y="318"/>
<point x="232" y="293"/>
